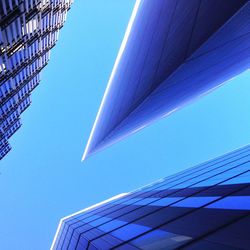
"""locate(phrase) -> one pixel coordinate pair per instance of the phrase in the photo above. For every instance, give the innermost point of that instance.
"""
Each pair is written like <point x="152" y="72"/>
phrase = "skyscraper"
<point x="28" y="30"/>
<point x="173" y="52"/>
<point x="203" y="207"/>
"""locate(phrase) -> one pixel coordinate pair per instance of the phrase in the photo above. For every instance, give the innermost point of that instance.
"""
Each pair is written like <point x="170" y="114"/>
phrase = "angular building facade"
<point x="28" y="30"/>
<point x="204" y="207"/>
<point x="173" y="52"/>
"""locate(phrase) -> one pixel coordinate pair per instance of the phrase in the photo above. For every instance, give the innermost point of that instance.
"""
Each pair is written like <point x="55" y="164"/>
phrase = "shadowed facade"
<point x="174" y="51"/>
<point x="204" y="207"/>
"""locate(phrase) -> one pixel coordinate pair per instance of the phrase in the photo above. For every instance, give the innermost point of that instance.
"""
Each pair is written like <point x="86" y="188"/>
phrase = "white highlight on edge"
<point x="121" y="50"/>
<point x="84" y="210"/>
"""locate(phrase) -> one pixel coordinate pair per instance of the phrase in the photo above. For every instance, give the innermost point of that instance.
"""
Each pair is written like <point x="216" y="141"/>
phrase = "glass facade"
<point x="203" y="207"/>
<point x="28" y="30"/>
<point x="174" y="51"/>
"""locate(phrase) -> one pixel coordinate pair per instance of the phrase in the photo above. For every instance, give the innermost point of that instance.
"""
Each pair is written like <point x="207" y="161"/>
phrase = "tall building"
<point x="173" y="52"/>
<point x="203" y="207"/>
<point x="28" y="30"/>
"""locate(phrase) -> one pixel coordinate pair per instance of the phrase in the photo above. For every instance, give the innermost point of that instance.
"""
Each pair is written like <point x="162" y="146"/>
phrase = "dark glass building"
<point x="174" y="51"/>
<point x="28" y="30"/>
<point x="204" y="207"/>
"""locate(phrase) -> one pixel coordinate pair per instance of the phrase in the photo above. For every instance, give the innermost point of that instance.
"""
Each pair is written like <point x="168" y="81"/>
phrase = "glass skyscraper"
<point x="28" y="30"/>
<point x="203" y="207"/>
<point x="174" y="51"/>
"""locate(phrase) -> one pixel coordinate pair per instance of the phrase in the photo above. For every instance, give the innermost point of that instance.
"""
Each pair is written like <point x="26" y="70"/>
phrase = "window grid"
<point x="29" y="30"/>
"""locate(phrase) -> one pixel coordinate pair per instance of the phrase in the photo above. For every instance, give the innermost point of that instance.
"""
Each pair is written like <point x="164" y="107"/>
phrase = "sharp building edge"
<point x="203" y="207"/>
<point x="29" y="29"/>
<point x="174" y="52"/>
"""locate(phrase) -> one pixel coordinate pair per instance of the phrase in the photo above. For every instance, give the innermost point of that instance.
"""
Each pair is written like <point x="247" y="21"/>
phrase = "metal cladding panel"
<point x="203" y="207"/>
<point x="176" y="51"/>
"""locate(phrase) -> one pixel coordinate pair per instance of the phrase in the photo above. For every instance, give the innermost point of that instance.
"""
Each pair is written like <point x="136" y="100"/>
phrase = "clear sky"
<point x="42" y="179"/>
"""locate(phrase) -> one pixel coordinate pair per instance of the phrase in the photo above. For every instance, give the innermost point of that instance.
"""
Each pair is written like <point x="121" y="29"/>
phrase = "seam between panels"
<point x="161" y="208"/>
<point x="183" y="215"/>
<point x="183" y="62"/>
<point x="213" y="231"/>
<point x="131" y="109"/>
<point x="169" y="188"/>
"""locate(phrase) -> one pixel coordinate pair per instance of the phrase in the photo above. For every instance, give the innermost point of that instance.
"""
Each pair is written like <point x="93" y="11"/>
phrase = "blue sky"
<point x="42" y="179"/>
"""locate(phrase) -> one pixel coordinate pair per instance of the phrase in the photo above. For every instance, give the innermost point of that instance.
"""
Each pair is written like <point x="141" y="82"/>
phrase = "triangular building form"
<point x="174" y="51"/>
